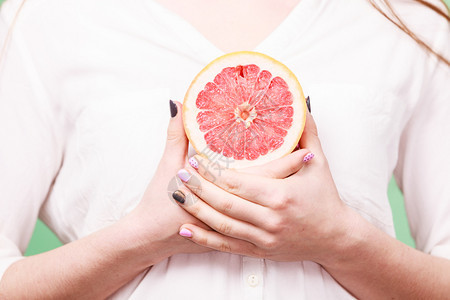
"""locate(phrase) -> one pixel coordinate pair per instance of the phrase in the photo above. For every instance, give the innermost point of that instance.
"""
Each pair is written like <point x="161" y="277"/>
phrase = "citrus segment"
<point x="244" y="109"/>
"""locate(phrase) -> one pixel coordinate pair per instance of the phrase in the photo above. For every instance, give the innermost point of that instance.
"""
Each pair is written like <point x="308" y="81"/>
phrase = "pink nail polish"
<point x="184" y="175"/>
<point x="193" y="162"/>
<point x="185" y="232"/>
<point x="308" y="157"/>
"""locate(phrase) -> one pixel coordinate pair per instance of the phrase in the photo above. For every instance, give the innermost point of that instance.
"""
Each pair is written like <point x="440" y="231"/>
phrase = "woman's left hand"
<point x="285" y="210"/>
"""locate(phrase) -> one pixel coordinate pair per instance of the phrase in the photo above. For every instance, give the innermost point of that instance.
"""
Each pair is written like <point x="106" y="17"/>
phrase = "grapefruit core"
<point x="244" y="109"/>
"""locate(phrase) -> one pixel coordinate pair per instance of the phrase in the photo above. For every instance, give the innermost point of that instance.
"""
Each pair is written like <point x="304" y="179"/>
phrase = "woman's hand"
<point x="157" y="218"/>
<point x="286" y="210"/>
<point x="97" y="265"/>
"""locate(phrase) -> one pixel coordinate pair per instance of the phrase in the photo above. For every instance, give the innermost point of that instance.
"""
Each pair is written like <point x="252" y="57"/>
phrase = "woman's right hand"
<point x="98" y="264"/>
<point x="157" y="218"/>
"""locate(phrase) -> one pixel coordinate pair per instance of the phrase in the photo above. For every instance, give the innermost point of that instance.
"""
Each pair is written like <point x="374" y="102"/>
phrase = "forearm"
<point x="90" y="268"/>
<point x="373" y="265"/>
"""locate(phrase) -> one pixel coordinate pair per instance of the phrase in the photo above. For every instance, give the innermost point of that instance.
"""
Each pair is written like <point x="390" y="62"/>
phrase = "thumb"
<point x="176" y="143"/>
<point x="310" y="138"/>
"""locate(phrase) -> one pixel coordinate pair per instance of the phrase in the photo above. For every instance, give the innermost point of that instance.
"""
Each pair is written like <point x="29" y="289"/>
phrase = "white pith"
<point x="245" y="113"/>
<point x="264" y="62"/>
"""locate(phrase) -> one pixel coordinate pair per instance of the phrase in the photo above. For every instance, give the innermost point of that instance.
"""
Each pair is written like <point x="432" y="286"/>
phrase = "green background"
<point x="43" y="239"/>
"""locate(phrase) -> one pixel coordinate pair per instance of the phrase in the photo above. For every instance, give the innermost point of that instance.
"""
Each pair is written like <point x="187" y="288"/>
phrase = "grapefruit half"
<point x="244" y="109"/>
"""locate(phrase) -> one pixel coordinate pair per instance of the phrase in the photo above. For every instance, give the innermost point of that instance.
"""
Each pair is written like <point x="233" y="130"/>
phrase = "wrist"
<point x="349" y="237"/>
<point x="142" y="240"/>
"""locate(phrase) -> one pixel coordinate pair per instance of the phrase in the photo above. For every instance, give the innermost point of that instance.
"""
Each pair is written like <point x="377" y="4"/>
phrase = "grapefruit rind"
<point x="207" y="74"/>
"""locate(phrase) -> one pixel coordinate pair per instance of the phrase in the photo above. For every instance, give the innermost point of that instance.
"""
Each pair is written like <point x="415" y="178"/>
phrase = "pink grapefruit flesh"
<point x="244" y="109"/>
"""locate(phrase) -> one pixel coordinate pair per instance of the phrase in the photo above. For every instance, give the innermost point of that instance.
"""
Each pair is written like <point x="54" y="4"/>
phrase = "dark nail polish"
<point x="173" y="109"/>
<point x="308" y="104"/>
<point x="179" y="196"/>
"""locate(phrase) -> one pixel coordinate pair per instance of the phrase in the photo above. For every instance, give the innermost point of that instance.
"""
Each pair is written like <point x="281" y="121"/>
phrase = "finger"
<point x="214" y="219"/>
<point x="282" y="167"/>
<point x="310" y="137"/>
<point x="177" y="143"/>
<point x="222" y="201"/>
<point x="217" y="241"/>
<point x="248" y="186"/>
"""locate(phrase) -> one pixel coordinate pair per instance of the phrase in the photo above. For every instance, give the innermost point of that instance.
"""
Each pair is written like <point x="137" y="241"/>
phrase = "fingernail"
<point x="173" y="109"/>
<point x="193" y="162"/>
<point x="184" y="175"/>
<point x="308" y="157"/>
<point x="185" y="232"/>
<point x="308" y="104"/>
<point x="179" y="196"/>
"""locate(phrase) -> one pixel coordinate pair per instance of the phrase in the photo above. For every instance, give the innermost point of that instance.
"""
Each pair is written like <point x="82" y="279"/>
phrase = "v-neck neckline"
<point x="293" y="25"/>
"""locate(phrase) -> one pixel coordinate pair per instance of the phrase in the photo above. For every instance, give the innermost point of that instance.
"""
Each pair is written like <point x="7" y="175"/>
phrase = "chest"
<point x="233" y="25"/>
<point x="120" y="113"/>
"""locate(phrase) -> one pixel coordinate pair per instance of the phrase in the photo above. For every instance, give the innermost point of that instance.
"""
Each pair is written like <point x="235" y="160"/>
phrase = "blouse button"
<point x="252" y="280"/>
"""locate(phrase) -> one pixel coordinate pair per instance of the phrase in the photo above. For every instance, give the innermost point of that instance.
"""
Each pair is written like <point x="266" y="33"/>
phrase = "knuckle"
<point x="194" y="210"/>
<point x="226" y="206"/>
<point x="258" y="252"/>
<point x="269" y="243"/>
<point x="198" y="191"/>
<point x="231" y="184"/>
<point x="173" y="136"/>
<point x="195" y="185"/>
<point x="224" y="228"/>
<point x="203" y="240"/>
<point x="224" y="247"/>
<point x="312" y="130"/>
<point x="281" y="201"/>
<point x="274" y="224"/>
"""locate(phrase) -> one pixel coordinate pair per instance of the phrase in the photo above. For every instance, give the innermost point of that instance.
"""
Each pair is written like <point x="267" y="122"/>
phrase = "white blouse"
<point x="84" y="91"/>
